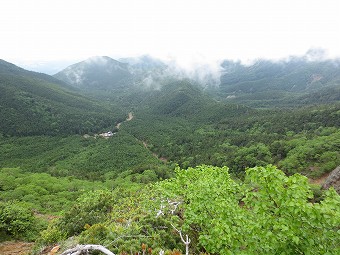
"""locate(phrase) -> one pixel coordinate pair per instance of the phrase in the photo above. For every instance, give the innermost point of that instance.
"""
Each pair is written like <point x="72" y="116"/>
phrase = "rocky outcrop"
<point x="333" y="180"/>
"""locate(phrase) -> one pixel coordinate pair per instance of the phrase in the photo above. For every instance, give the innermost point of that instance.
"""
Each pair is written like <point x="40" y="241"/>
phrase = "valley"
<point x="173" y="138"/>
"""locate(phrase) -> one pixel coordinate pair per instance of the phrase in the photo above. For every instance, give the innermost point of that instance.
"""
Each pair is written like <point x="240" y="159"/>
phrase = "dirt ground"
<point x="15" y="248"/>
<point x="320" y="180"/>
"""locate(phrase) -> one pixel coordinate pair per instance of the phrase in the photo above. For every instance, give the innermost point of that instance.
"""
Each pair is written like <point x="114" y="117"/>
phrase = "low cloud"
<point x="74" y="75"/>
<point x="155" y="72"/>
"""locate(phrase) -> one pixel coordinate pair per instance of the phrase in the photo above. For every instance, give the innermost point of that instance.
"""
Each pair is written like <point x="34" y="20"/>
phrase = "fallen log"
<point x="83" y="249"/>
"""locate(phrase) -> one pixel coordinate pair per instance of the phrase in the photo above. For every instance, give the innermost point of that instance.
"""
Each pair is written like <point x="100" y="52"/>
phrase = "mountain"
<point x="97" y="73"/>
<point x="179" y="98"/>
<point x="268" y="83"/>
<point x="177" y="122"/>
<point x="102" y="74"/>
<point x="143" y="63"/>
<point x="38" y="104"/>
<point x="148" y="72"/>
<point x="291" y="82"/>
<point x="7" y="68"/>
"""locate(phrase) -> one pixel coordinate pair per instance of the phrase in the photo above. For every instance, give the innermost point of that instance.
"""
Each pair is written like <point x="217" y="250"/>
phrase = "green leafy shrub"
<point x="269" y="213"/>
<point x="51" y="235"/>
<point x="18" y="221"/>
<point x="96" y="233"/>
<point x="91" y="208"/>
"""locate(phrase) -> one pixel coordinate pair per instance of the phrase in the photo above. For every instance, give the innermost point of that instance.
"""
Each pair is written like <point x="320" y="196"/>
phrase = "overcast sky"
<point x="189" y="30"/>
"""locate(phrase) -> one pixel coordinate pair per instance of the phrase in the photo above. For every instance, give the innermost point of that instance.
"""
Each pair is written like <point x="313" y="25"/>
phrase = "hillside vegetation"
<point x="267" y="213"/>
<point x="96" y="73"/>
<point x="38" y="104"/>
<point x="182" y="158"/>
<point x="296" y="81"/>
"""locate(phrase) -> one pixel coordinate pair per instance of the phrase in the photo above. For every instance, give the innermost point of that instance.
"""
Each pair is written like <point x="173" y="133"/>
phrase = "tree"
<point x="91" y="208"/>
<point x="254" y="155"/>
<point x="18" y="221"/>
<point x="269" y="213"/>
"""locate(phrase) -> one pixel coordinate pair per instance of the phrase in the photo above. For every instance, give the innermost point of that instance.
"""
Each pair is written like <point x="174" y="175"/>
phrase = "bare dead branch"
<point x="79" y="249"/>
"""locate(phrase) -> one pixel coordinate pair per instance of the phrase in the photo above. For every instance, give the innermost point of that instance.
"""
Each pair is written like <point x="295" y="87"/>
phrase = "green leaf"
<point x="296" y="239"/>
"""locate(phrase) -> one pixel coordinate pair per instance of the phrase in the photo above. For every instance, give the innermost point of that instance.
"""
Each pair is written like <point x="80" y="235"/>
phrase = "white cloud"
<point x="211" y="29"/>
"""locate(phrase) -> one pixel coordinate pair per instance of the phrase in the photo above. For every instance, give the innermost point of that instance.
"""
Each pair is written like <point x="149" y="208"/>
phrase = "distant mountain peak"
<point x="100" y="60"/>
<point x="98" y="72"/>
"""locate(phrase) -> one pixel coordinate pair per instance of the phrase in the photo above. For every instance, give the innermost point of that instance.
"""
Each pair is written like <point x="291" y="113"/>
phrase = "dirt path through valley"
<point x="130" y="117"/>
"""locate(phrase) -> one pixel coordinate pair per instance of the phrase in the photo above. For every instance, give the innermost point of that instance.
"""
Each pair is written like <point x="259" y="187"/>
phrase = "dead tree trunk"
<point x="185" y="241"/>
<point x="84" y="249"/>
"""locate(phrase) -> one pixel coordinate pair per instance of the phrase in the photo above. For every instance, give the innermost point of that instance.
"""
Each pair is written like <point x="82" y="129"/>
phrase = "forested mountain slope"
<point x="177" y="122"/>
<point x="97" y="73"/>
<point x="281" y="83"/>
<point x="38" y="104"/>
<point x="295" y="81"/>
